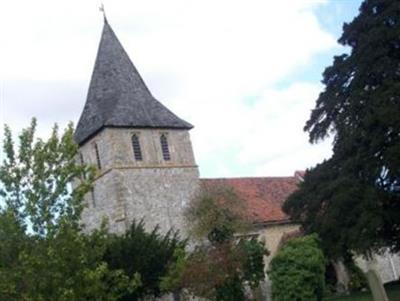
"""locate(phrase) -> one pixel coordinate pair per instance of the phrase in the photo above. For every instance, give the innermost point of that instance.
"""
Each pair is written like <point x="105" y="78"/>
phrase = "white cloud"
<point x="203" y="59"/>
<point x="266" y="137"/>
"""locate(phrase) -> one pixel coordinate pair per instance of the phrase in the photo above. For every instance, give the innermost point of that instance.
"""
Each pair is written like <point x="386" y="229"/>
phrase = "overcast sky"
<point x="245" y="73"/>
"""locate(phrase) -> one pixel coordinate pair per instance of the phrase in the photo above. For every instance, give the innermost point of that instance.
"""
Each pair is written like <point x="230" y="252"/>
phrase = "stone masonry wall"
<point x="272" y="235"/>
<point x="387" y="265"/>
<point x="160" y="196"/>
<point x="153" y="189"/>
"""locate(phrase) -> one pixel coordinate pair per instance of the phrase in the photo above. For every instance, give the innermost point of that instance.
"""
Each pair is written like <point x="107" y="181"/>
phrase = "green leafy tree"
<point x="223" y="271"/>
<point x="217" y="213"/>
<point x="352" y="200"/>
<point x="13" y="241"/>
<point x="149" y="255"/>
<point x="69" y="266"/>
<point x="36" y="179"/>
<point x="297" y="271"/>
<point x="172" y="281"/>
<point x="221" y="267"/>
<point x="44" y="256"/>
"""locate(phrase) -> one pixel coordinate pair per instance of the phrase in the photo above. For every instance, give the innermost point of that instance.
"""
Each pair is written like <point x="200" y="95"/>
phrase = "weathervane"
<point x="101" y="8"/>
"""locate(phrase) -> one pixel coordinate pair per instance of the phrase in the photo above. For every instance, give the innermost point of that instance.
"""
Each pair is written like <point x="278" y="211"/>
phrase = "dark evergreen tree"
<point x="138" y="252"/>
<point x="352" y="200"/>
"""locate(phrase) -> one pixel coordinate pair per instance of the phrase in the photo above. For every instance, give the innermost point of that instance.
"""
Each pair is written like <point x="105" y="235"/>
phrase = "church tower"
<point x="143" y="152"/>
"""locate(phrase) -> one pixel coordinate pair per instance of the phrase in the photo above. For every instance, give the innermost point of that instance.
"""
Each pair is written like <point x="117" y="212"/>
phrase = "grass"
<point x="393" y="292"/>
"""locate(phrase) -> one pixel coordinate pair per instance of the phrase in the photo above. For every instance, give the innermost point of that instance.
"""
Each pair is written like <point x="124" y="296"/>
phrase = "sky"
<point x="246" y="74"/>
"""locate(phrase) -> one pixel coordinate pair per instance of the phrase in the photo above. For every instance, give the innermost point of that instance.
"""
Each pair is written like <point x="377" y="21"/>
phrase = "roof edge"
<point x="249" y="178"/>
<point x="80" y="143"/>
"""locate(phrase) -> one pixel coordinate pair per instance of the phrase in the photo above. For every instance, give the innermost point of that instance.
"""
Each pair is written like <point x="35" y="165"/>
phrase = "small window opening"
<point x="96" y="148"/>
<point x="82" y="162"/>
<point x="165" y="148"/>
<point x="137" y="152"/>
<point x="93" y="197"/>
<point x="81" y="158"/>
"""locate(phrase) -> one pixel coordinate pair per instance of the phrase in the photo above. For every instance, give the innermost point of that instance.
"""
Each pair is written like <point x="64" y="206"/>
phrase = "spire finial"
<point x="101" y="8"/>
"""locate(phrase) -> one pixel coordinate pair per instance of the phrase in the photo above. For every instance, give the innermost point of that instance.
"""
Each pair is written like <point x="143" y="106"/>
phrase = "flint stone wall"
<point x="153" y="189"/>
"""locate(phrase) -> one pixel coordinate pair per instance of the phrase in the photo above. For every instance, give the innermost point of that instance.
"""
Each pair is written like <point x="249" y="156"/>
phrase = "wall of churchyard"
<point x="387" y="265"/>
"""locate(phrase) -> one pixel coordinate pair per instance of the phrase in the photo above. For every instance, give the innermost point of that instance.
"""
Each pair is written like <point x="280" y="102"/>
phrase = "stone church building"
<point x="142" y="150"/>
<point x="146" y="164"/>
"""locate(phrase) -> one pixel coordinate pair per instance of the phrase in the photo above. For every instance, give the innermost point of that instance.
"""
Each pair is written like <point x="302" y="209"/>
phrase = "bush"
<point x="217" y="213"/>
<point x="218" y="272"/>
<point x="358" y="280"/>
<point x="149" y="255"/>
<point x="297" y="271"/>
<point x="224" y="265"/>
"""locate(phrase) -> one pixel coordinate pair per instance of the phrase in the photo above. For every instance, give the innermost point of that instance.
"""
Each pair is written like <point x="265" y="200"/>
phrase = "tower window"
<point x="165" y="148"/>
<point x="96" y="148"/>
<point x="93" y="197"/>
<point x="82" y="162"/>
<point x="81" y="158"/>
<point x="137" y="152"/>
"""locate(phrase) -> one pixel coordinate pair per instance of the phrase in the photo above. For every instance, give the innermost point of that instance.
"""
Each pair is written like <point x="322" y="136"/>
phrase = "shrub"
<point x="358" y="281"/>
<point x="146" y="254"/>
<point x="217" y="213"/>
<point x="223" y="266"/>
<point x="219" y="272"/>
<point x="297" y="271"/>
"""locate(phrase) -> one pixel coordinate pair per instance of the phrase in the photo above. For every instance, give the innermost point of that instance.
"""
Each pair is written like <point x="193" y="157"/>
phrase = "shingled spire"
<point x="118" y="96"/>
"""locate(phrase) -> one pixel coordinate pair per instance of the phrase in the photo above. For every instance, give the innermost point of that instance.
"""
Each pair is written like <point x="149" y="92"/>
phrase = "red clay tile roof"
<point x="263" y="196"/>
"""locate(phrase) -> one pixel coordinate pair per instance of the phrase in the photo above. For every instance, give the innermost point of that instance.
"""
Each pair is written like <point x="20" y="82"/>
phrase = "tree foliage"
<point x="36" y="179"/>
<point x="144" y="254"/>
<point x="172" y="281"/>
<point x="217" y="213"/>
<point x="223" y="271"/>
<point x="222" y="266"/>
<point x="297" y="271"/>
<point x="68" y="266"/>
<point x="44" y="256"/>
<point x="352" y="200"/>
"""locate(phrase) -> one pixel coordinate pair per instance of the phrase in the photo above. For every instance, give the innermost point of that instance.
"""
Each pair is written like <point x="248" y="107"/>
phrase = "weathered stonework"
<point x="387" y="265"/>
<point x="152" y="189"/>
<point x="272" y="236"/>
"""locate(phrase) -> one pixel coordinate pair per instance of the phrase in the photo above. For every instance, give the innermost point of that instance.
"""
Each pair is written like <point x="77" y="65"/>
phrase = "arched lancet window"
<point x="165" y="148"/>
<point x="96" y="149"/>
<point x="137" y="152"/>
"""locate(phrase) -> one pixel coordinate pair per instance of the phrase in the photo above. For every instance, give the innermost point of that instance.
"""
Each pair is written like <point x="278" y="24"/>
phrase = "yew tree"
<point x="352" y="200"/>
